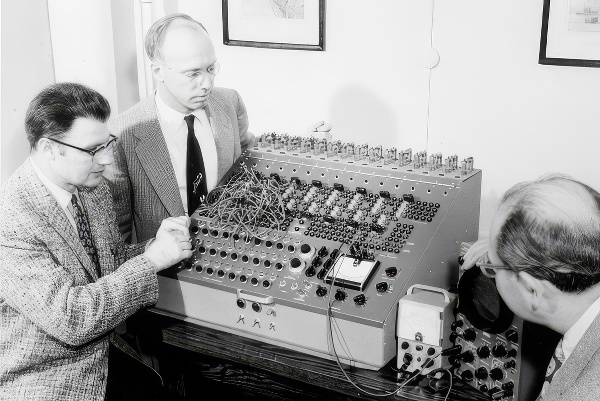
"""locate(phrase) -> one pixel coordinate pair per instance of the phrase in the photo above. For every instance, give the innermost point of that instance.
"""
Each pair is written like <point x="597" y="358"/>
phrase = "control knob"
<point x="360" y="299"/>
<point x="483" y="351"/>
<point x="321" y="291"/>
<point x="467" y="375"/>
<point x="467" y="356"/>
<point x="382" y="287"/>
<point x="496" y="374"/>
<point x="481" y="373"/>
<point x="512" y="335"/>
<point x="499" y="350"/>
<point x="469" y="334"/>
<point x="456" y="324"/>
<point x="508" y="386"/>
<point x="311" y="271"/>
<point x="340" y="295"/>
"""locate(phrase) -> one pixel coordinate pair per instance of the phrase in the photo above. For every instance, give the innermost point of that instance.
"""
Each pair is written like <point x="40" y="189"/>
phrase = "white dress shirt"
<point x="574" y="334"/>
<point x="174" y="129"/>
<point x="62" y="196"/>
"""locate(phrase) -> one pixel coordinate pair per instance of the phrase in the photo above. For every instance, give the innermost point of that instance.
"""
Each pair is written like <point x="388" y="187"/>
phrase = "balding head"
<point x="157" y="32"/>
<point x="550" y="228"/>
<point x="184" y="62"/>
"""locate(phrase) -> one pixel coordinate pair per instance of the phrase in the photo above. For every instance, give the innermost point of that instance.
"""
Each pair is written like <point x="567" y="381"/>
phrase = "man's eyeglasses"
<point x="211" y="71"/>
<point x="100" y="150"/>
<point x="488" y="268"/>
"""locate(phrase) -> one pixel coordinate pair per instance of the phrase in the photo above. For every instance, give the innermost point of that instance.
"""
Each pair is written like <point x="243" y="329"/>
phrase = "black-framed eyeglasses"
<point x="488" y="268"/>
<point x="101" y="150"/>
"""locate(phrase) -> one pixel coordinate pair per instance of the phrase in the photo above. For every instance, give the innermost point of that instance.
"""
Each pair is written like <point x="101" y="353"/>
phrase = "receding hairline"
<point x="555" y="198"/>
<point x="163" y="27"/>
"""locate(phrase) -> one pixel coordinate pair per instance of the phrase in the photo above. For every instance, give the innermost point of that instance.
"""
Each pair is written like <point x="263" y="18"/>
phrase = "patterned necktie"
<point x="558" y="357"/>
<point x="195" y="173"/>
<point x="85" y="235"/>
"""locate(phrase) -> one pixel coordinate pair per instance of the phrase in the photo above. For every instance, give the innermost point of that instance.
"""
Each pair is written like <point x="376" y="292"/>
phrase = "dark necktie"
<point x="558" y="357"/>
<point x="195" y="173"/>
<point x="85" y="235"/>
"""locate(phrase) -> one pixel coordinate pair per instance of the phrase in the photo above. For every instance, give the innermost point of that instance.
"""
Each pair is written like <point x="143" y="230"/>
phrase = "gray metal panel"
<point x="428" y="257"/>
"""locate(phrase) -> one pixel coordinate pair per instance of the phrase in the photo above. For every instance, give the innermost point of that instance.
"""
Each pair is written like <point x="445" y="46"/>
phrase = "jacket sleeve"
<point x="35" y="283"/>
<point x="117" y="175"/>
<point x="246" y="137"/>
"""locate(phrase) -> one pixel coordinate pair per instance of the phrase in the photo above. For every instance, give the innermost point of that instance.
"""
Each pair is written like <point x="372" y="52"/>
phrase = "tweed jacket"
<point x="143" y="179"/>
<point x="579" y="376"/>
<point x="56" y="315"/>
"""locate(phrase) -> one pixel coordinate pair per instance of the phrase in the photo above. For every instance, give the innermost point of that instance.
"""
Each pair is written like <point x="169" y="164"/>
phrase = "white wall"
<point x="82" y="45"/>
<point x="123" y="37"/>
<point x="27" y="67"/>
<point x="369" y="82"/>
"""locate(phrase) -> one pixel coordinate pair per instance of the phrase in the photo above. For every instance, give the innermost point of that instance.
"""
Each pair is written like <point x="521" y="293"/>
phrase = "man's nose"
<point x="105" y="158"/>
<point x="205" y="81"/>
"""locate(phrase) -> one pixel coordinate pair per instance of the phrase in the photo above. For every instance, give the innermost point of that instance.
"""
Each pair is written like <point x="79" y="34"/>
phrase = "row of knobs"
<point x="482" y="374"/>
<point x="470" y="334"/>
<point x="341" y="295"/>
<point x="498" y="350"/>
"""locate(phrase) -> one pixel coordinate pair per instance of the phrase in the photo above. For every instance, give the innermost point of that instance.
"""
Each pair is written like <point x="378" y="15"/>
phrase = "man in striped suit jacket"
<point x="149" y="174"/>
<point x="66" y="277"/>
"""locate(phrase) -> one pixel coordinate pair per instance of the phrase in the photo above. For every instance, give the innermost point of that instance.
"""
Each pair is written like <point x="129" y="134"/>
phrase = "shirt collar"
<point x="62" y="196"/>
<point x="172" y="116"/>
<point x="574" y="334"/>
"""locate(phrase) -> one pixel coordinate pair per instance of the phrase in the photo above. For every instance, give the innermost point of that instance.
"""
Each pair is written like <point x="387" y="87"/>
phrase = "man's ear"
<point x="44" y="146"/>
<point x="157" y="72"/>
<point x="535" y="291"/>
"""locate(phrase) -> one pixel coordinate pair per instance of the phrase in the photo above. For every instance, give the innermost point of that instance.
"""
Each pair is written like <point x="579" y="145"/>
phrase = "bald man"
<point x="175" y="146"/>
<point x="544" y="254"/>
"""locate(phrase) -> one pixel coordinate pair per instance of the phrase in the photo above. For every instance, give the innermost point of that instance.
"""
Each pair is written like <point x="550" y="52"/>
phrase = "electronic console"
<point x="345" y="232"/>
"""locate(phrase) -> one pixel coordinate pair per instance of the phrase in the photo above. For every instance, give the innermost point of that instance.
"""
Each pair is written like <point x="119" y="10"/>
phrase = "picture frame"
<point x="274" y="24"/>
<point x="570" y="34"/>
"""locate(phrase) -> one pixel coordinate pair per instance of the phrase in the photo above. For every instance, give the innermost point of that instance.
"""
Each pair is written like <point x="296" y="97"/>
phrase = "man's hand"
<point x="475" y="252"/>
<point x="172" y="243"/>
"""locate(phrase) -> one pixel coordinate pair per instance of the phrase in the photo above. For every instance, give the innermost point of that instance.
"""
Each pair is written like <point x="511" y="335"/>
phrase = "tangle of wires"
<point x="248" y="206"/>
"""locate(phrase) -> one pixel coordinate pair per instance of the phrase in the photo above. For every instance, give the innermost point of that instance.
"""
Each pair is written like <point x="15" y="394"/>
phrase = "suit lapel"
<point x="154" y="157"/>
<point x="223" y="134"/>
<point x="585" y="350"/>
<point x="47" y="206"/>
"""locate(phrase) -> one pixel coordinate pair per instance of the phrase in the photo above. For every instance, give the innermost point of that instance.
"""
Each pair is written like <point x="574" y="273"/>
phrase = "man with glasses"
<point x="544" y="254"/>
<point x="175" y="146"/>
<point x="66" y="277"/>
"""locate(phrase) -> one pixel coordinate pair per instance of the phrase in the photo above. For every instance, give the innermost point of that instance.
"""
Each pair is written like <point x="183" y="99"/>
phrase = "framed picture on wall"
<point x="275" y="24"/>
<point x="570" y="33"/>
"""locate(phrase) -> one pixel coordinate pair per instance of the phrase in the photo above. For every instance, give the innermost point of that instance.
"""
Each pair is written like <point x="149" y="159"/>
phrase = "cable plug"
<point x="452" y="350"/>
